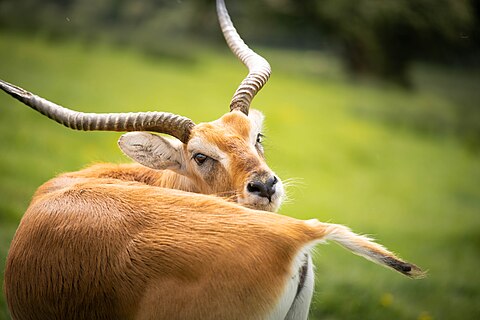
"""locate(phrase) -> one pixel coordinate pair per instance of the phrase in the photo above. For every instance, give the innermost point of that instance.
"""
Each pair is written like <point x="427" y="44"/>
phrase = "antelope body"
<point x="179" y="235"/>
<point x="107" y="249"/>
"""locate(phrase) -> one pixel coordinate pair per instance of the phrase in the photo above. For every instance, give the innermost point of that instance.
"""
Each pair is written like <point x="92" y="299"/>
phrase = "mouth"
<point x="260" y="203"/>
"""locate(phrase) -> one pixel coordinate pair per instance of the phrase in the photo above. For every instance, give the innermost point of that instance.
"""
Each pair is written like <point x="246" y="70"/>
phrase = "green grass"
<point x="416" y="191"/>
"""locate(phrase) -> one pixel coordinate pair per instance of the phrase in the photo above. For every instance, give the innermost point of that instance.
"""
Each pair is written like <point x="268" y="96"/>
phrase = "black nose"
<point x="263" y="189"/>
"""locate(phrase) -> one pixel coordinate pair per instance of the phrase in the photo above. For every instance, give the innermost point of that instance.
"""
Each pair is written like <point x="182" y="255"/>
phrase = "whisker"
<point x="294" y="182"/>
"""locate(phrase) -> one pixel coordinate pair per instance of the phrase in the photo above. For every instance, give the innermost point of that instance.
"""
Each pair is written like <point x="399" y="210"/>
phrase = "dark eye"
<point x="260" y="138"/>
<point x="259" y="145"/>
<point x="200" y="158"/>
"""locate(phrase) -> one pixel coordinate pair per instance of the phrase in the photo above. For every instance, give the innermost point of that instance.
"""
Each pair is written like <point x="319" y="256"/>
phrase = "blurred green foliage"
<point x="347" y="149"/>
<point x="374" y="36"/>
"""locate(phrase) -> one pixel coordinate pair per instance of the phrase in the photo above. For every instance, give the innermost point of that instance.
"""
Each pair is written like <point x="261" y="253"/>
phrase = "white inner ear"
<point x="153" y="151"/>
<point x="256" y="120"/>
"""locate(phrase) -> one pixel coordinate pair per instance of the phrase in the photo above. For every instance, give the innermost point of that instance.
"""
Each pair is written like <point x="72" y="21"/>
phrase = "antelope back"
<point x="104" y="249"/>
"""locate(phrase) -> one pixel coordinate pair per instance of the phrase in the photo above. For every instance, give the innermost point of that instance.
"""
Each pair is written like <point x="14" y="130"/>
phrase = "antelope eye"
<point x="260" y="138"/>
<point x="200" y="158"/>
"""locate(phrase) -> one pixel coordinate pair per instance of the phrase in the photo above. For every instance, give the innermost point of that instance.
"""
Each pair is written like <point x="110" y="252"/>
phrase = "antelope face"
<point x="228" y="154"/>
<point x="223" y="157"/>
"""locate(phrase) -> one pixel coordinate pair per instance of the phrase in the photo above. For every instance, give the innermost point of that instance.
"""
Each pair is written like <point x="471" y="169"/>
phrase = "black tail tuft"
<point x="405" y="268"/>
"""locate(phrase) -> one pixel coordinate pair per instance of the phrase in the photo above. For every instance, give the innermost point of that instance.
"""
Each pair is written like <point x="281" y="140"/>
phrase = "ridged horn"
<point x="258" y="68"/>
<point x="162" y="122"/>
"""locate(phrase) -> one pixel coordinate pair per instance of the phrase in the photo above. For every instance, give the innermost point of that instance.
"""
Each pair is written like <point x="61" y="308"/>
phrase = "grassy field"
<point x="416" y="191"/>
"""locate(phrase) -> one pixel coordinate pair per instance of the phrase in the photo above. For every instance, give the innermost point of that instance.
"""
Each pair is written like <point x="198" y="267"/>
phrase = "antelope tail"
<point x="365" y="247"/>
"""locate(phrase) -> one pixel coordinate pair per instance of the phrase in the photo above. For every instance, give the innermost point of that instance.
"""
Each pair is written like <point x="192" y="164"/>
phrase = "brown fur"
<point x="138" y="173"/>
<point x="100" y="248"/>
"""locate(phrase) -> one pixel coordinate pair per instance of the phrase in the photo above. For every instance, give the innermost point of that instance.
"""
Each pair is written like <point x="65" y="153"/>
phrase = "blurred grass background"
<point x="382" y="159"/>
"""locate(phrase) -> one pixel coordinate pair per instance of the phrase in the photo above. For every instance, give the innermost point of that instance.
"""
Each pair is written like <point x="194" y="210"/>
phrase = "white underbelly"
<point x="294" y="303"/>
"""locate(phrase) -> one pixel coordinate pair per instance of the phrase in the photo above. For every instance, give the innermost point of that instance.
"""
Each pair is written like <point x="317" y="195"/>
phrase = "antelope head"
<point x="223" y="157"/>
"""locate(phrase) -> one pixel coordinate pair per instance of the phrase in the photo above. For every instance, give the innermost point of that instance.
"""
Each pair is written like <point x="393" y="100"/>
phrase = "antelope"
<point x="159" y="243"/>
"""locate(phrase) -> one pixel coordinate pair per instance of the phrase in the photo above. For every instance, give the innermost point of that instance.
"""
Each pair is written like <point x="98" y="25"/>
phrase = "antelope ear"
<point x="256" y="118"/>
<point x="153" y="151"/>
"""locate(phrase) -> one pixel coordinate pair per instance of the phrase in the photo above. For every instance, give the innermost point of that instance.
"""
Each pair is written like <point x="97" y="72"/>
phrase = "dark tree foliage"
<point x="380" y="37"/>
<point x="383" y="37"/>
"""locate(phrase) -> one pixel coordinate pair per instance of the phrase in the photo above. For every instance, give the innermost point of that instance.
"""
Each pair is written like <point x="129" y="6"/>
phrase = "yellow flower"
<point x="425" y="316"/>
<point x="387" y="300"/>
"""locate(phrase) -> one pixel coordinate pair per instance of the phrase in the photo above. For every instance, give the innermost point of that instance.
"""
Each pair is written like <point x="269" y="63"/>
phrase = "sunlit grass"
<point x="417" y="192"/>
